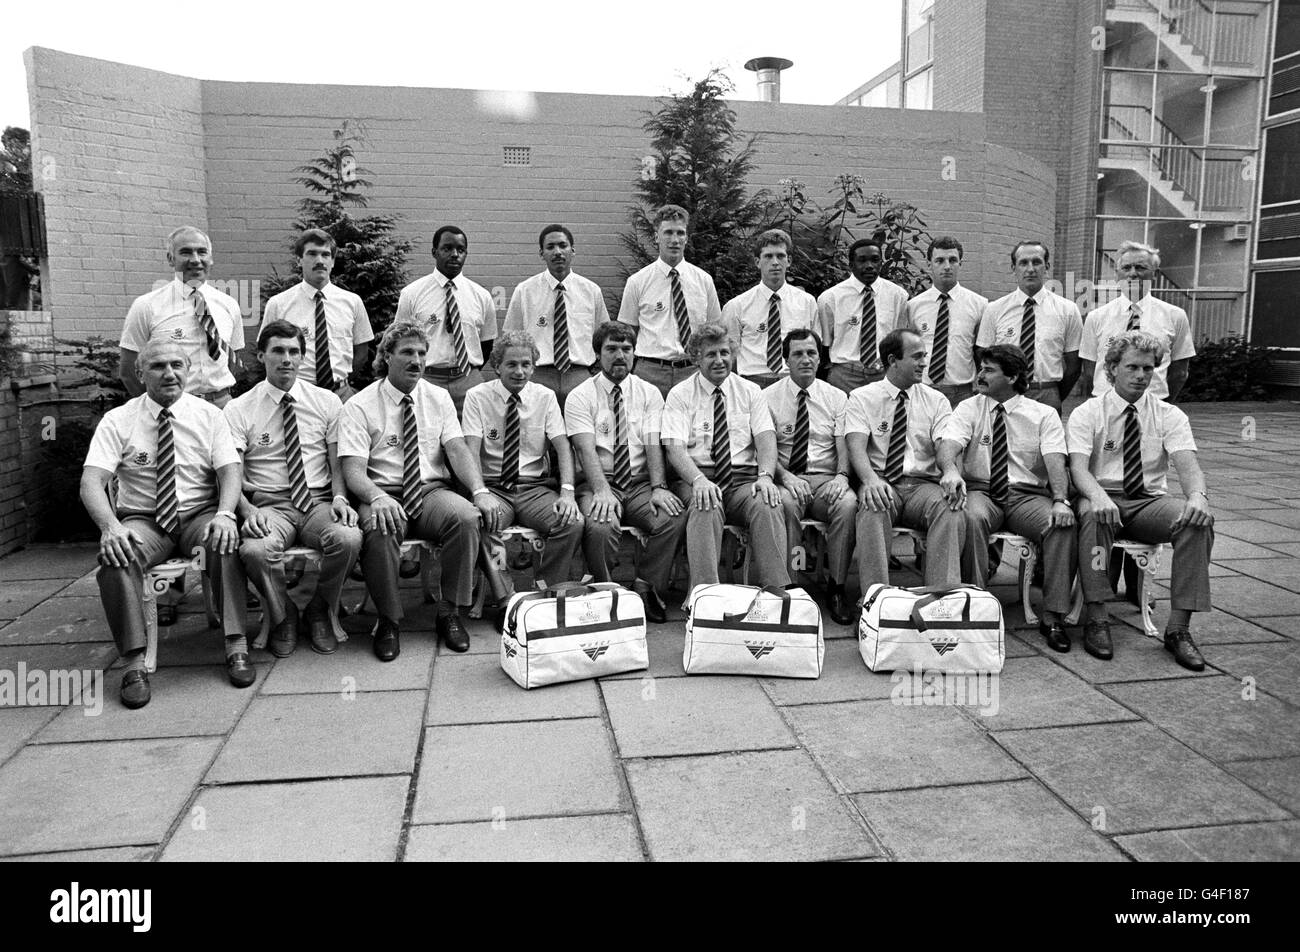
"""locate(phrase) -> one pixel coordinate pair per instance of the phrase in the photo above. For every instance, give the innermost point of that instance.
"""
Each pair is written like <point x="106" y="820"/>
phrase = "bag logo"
<point x="760" y="649"/>
<point x="758" y="613"/>
<point x="940" y="610"/>
<point x="589" y="613"/>
<point x="595" y="649"/>
<point x="942" y="644"/>
<point x="508" y="648"/>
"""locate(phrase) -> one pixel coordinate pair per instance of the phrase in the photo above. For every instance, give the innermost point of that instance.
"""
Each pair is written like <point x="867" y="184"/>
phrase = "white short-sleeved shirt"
<point x="532" y="309"/>
<point x="424" y="301"/>
<point x="965" y="308"/>
<point x="648" y="304"/>
<point x="588" y="410"/>
<point x="839" y="312"/>
<point x="126" y="444"/>
<point x="169" y="313"/>
<point x="371" y="428"/>
<point x="1033" y="431"/>
<point x="1163" y="321"/>
<point x="345" y="318"/>
<point x="826" y="406"/>
<point x="1096" y="429"/>
<point x="1058" y="329"/>
<point x="870" y="412"/>
<point x="539" y="422"/>
<point x="257" y="425"/>
<point x="746" y="318"/>
<point x="688" y="417"/>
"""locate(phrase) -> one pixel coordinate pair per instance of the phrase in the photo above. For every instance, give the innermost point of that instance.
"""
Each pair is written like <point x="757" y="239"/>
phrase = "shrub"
<point x="1227" y="369"/>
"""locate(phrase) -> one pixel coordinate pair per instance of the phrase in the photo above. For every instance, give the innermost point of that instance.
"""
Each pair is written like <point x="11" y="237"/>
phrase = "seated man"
<point x="286" y="432"/>
<point x="813" y="460"/>
<point x="397" y="438"/>
<point x="509" y="423"/>
<point x="613" y="423"/>
<point x="720" y="439"/>
<point x="892" y="428"/>
<point x="1002" y="455"/>
<point x="1121" y="445"/>
<point x="177" y="487"/>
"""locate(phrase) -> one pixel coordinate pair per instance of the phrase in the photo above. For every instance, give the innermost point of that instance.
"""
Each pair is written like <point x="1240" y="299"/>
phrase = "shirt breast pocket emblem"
<point x="603" y="427"/>
<point x="1110" y="446"/>
<point x="762" y="326"/>
<point x="493" y="433"/>
<point x="705" y="426"/>
<point x="392" y="440"/>
<point x="882" y="427"/>
<point x="986" y="440"/>
<point x="541" y="321"/>
<point x="853" y="321"/>
<point x="264" y="439"/>
<point x="178" y="334"/>
<point x="434" y="321"/>
<point x="788" y="429"/>
<point x="140" y="459"/>
<point x="659" y="305"/>
<point x="925" y="327"/>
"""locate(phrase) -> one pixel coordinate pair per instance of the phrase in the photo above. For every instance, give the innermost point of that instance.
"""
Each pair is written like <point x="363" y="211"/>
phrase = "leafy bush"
<point x="1227" y="369"/>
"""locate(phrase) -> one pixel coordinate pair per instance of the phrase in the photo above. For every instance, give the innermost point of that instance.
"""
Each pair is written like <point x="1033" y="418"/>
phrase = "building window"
<point x="920" y="34"/>
<point x="1284" y="94"/>
<point x="1279" y="208"/>
<point x="917" y="93"/>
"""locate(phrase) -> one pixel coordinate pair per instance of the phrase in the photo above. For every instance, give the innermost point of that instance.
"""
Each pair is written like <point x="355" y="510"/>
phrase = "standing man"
<point x="1121" y="445"/>
<point x="560" y="310"/>
<point x="759" y="319"/>
<point x="857" y="314"/>
<point x="722" y="443"/>
<point x="813" y="460"/>
<point x="947" y="316"/>
<point x="458" y="317"/>
<point x="205" y="322"/>
<point x="287" y="433"/>
<point x="892" y="429"/>
<point x="1003" y="458"/>
<point x="613" y="422"/>
<point x="1135" y="309"/>
<point x="1045" y="326"/>
<point x="399" y="443"/>
<point x="177" y="487"/>
<point x="665" y="300"/>
<point x="333" y="321"/>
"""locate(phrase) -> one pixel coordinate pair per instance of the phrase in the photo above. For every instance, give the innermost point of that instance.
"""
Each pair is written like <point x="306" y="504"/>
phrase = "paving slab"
<point x="19" y="724"/>
<point x="301" y="736"/>
<point x="844" y="678"/>
<point x="771" y="806"/>
<point x="1286" y="548"/>
<point x="1014" y="821"/>
<point x="1137" y="657"/>
<point x="1253" y="530"/>
<point x="1276" y="570"/>
<point x="694" y="715"/>
<point x="517" y="770"/>
<point x="191" y="642"/>
<point x="59" y="621"/>
<point x="1275" y="667"/>
<point x="83" y="796"/>
<point x="1278" y="779"/>
<point x="1228" y="549"/>
<point x="48" y="562"/>
<point x="1239" y="503"/>
<point x="1023" y="644"/>
<point x="472" y="689"/>
<point x="121" y="854"/>
<point x="83" y="587"/>
<point x="1034" y="692"/>
<point x="357" y="820"/>
<point x="1284" y="516"/>
<point x="20" y="596"/>
<point x="353" y="667"/>
<point x="1238" y="843"/>
<point x="605" y="838"/>
<point x="85" y="656"/>
<point x="1217" y="627"/>
<point x="882" y="745"/>
<point x="666" y="644"/>
<point x="1132" y="777"/>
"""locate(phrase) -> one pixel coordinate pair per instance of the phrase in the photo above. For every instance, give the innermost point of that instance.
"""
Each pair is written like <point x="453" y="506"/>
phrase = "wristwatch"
<point x="566" y="487"/>
<point x="228" y="513"/>
<point x="658" y="485"/>
<point x="762" y="473"/>
<point x="1061" y="499"/>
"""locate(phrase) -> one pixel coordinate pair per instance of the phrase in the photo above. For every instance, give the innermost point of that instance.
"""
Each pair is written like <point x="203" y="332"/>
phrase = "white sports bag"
<point x="742" y="629"/>
<point x="956" y="629"/>
<point x="573" y="632"/>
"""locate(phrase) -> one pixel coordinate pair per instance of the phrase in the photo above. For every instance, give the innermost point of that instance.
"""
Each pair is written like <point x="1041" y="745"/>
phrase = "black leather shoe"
<point x="837" y="604"/>
<point x="1096" y="640"/>
<point x="453" y="633"/>
<point x="408" y="568"/>
<point x="135" y="689"/>
<point x="238" y="669"/>
<point x="284" y="636"/>
<point x="656" y="612"/>
<point x="166" y="616"/>
<point x="1055" y="635"/>
<point x="321" y="633"/>
<point x="387" y="644"/>
<point x="499" y="616"/>
<point x="1178" y="642"/>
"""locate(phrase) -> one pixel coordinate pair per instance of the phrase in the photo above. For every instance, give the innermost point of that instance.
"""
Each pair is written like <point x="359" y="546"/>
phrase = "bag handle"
<point x="941" y="592"/>
<point x="771" y="590"/>
<point x="569" y="588"/>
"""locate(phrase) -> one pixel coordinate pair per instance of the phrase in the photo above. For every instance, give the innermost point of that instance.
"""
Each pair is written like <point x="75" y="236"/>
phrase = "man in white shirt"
<point x="665" y="301"/>
<point x="613" y="423"/>
<point x="813" y="460"/>
<point x="759" y="319"/>
<point x="286" y="432"/>
<point x="857" y="314"/>
<point x="1136" y="265"/>
<point x="333" y="321"/>
<point x="1045" y="326"/>
<point x="892" y="428"/>
<point x="721" y="441"/>
<point x="206" y="323"/>
<point x="458" y="316"/>
<point x="560" y="310"/>
<point x="1121" y="445"/>
<point x="1003" y="458"/>
<point x="177" y="487"/>
<point x="947" y="316"/>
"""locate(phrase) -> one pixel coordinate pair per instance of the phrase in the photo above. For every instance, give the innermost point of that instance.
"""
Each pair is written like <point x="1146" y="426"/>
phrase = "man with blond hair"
<point x="759" y="320"/>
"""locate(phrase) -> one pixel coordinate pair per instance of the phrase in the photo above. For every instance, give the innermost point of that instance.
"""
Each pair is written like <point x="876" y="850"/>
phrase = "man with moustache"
<point x="613" y="423"/>
<point x="947" y="316"/>
<point x="857" y="314"/>
<point x="178" y="484"/>
<point x="560" y="310"/>
<point x="759" y="319"/>
<point x="458" y="316"/>
<point x="334" y="322"/>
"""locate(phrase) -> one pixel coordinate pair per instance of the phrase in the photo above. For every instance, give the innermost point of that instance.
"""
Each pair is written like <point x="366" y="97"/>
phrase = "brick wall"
<point x="959" y="42"/>
<point x="13" y="507"/>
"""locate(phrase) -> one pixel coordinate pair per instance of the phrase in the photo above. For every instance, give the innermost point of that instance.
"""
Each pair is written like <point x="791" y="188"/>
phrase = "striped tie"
<point x="510" y="452"/>
<point x="999" y="481"/>
<point x="721" y="442"/>
<point x="799" y="452"/>
<point x="412" y="501"/>
<point x="560" y="338"/>
<point x="208" y="324"/>
<point x="774" y="361"/>
<point x="1027" y="334"/>
<point x="456" y="331"/>
<point x="939" y="351"/>
<point x="679" y="309"/>
<point x="293" y="456"/>
<point x="622" y="457"/>
<point x="166" y="511"/>
<point x="1134" y="487"/>
<point x="867" y="332"/>
<point x="1134" y="318"/>
<point x="324" y="369"/>
<point x="897" y="441"/>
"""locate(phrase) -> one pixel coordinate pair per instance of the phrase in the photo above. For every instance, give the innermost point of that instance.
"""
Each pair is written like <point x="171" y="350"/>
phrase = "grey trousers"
<point x="455" y="386"/>
<point x="532" y="508"/>
<point x="600" y="540"/>
<point x="661" y="375"/>
<point x="839" y="519"/>
<point x="848" y="377"/>
<point x="560" y="384"/>
<point x="924" y="507"/>
<point x="955" y="392"/>
<point x="766" y="525"/>
<point x="1027" y="514"/>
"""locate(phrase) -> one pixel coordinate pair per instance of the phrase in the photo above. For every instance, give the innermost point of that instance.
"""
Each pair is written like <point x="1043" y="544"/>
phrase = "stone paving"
<point x="440" y="757"/>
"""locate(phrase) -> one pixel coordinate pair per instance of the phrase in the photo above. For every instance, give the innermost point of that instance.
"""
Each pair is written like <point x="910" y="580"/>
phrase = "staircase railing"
<point x="1228" y="37"/>
<point x="1177" y="161"/>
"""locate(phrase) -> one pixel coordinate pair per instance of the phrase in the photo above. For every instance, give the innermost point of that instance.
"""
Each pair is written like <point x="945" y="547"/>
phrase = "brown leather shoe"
<point x="284" y="636"/>
<point x="321" y="633"/>
<point x="1096" y="640"/>
<point x="1178" y="642"/>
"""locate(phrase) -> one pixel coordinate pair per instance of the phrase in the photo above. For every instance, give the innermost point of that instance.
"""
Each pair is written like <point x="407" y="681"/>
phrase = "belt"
<point x="675" y="364"/>
<point x="572" y="366"/>
<point x="448" y="373"/>
<point x="215" y="395"/>
<point x="1042" y="384"/>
